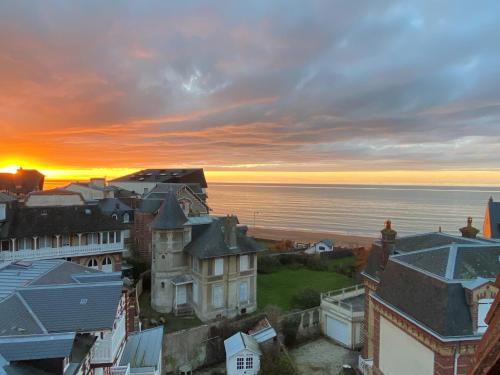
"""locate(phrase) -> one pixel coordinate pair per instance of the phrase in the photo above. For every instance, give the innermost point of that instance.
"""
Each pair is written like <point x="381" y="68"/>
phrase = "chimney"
<point x="469" y="231"/>
<point x="230" y="231"/>
<point x="388" y="242"/>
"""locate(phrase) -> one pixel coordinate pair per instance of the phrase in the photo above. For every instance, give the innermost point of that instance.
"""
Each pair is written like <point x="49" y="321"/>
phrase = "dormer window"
<point x="3" y="211"/>
<point x="114" y="216"/>
<point x="483" y="306"/>
<point x="126" y="218"/>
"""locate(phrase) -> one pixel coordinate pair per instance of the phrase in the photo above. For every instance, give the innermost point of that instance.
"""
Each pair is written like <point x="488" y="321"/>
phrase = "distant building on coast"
<point x="145" y="180"/>
<point x="426" y="299"/>
<point x="320" y="247"/>
<point x="22" y="182"/>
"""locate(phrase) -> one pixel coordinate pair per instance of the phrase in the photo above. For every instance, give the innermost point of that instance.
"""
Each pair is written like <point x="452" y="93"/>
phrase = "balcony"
<point x="106" y="350"/>
<point x="365" y="365"/>
<point x="348" y="302"/>
<point x="60" y="252"/>
<point x="120" y="370"/>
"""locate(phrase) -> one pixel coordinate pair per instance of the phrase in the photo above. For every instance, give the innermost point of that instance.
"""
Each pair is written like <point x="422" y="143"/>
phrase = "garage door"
<point x="338" y="331"/>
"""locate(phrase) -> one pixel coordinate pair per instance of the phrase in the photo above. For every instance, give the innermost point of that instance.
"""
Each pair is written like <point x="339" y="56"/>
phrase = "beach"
<point x="310" y="236"/>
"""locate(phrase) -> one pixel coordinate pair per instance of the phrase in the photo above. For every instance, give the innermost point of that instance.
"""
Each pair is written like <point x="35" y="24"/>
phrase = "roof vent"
<point x="83" y="301"/>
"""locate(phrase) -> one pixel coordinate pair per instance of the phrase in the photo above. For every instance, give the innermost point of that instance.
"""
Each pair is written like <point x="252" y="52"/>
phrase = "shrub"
<point x="267" y="264"/>
<point x="315" y="263"/>
<point x="306" y="299"/>
<point x="290" y="327"/>
<point x="287" y="259"/>
<point x="276" y="366"/>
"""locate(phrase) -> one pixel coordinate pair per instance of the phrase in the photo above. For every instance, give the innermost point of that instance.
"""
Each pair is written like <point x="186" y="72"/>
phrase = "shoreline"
<point x="310" y="236"/>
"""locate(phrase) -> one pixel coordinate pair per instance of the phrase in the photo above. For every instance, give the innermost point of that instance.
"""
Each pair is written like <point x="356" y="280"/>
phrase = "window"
<point x="5" y="245"/>
<point x="65" y="240"/>
<point x="2" y="211"/>
<point x="195" y="292"/>
<point x="195" y="264"/>
<point x="218" y="266"/>
<point x="218" y="296"/>
<point x="44" y="242"/>
<point x="249" y="362"/>
<point x="114" y="216"/>
<point x="106" y="261"/>
<point x="118" y="236"/>
<point x="483" y="306"/>
<point x="92" y="263"/>
<point x="322" y="248"/>
<point x="244" y="263"/>
<point x="163" y="285"/>
<point x="240" y="363"/>
<point x="126" y="218"/>
<point x="244" y="291"/>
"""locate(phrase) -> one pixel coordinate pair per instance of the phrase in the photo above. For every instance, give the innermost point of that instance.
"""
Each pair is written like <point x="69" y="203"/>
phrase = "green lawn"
<point x="279" y="287"/>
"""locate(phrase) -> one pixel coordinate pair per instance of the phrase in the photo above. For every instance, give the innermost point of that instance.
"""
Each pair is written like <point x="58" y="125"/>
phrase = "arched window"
<point x="114" y="216"/>
<point x="163" y="284"/>
<point x="92" y="263"/>
<point x="126" y="218"/>
<point x="107" y="264"/>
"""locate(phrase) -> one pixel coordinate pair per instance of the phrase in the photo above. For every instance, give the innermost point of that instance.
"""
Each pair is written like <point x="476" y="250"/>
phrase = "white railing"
<point x="120" y="370"/>
<point x="105" y="350"/>
<point x="344" y="291"/>
<point x="365" y="365"/>
<point x="336" y="297"/>
<point x="60" y="252"/>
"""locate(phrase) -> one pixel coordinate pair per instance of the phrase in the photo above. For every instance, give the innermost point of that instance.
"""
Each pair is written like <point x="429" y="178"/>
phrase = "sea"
<point x="348" y="209"/>
<point x="352" y="209"/>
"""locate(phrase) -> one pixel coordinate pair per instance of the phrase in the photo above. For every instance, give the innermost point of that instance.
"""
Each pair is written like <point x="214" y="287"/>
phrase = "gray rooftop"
<point x="208" y="241"/>
<point x="170" y="215"/>
<point x="36" y="346"/>
<point x="240" y="341"/>
<point x="143" y="348"/>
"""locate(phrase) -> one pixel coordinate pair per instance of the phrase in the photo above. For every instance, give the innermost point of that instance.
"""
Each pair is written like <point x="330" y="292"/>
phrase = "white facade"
<point x="343" y="316"/>
<point x="245" y="362"/>
<point x="402" y="354"/>
<point x="320" y="247"/>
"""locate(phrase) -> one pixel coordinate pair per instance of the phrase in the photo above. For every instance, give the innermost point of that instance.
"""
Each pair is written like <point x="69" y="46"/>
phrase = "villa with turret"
<point x="201" y="264"/>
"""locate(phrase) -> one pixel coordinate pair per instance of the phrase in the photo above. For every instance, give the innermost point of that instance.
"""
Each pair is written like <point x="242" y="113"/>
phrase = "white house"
<point x="320" y="247"/>
<point x="242" y="355"/>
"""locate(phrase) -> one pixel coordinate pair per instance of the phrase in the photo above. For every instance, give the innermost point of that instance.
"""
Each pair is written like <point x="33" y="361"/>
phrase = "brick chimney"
<point x="230" y="231"/>
<point x="388" y="242"/>
<point x="469" y="231"/>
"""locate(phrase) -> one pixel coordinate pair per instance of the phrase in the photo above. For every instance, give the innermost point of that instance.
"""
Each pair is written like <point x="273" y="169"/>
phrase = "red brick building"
<point x="426" y="298"/>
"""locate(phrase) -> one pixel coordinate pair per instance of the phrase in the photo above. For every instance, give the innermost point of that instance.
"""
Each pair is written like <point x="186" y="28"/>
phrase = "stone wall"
<point x="310" y="323"/>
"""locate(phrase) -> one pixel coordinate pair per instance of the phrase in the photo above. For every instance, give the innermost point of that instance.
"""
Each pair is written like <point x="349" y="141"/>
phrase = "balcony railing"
<point x="60" y="252"/>
<point x="120" y="370"/>
<point x="365" y="365"/>
<point x="106" y="349"/>
<point x="336" y="299"/>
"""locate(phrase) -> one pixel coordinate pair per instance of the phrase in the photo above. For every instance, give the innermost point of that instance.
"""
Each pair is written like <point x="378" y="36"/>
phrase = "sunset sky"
<point x="333" y="91"/>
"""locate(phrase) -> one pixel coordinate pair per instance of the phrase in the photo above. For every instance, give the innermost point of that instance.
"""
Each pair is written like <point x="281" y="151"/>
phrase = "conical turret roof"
<point x="170" y="215"/>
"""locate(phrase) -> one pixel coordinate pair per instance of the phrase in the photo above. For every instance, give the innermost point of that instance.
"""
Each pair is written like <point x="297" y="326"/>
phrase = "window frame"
<point x="249" y="362"/>
<point x="218" y="266"/>
<point x="240" y="363"/>
<point x="242" y="263"/>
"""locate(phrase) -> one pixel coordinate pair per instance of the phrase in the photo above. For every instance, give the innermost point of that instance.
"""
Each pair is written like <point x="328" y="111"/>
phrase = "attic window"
<point x="83" y="301"/>
<point x="88" y="211"/>
<point x="44" y="212"/>
<point x="483" y="305"/>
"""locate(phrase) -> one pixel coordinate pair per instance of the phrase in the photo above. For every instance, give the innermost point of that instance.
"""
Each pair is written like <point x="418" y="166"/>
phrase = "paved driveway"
<point x="322" y="357"/>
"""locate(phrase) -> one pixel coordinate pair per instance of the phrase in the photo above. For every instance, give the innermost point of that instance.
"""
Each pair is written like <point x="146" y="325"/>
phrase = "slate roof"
<point x="438" y="305"/>
<point x="175" y="175"/>
<point x="493" y="211"/>
<point x="74" y="307"/>
<point x="456" y="262"/>
<point x="415" y="243"/>
<point x="36" y="346"/>
<point x="45" y="298"/>
<point x="49" y="296"/>
<point x="111" y="205"/>
<point x="143" y="348"/>
<point x="240" y="341"/>
<point x="37" y="221"/>
<point x="170" y="215"/>
<point x="208" y="241"/>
